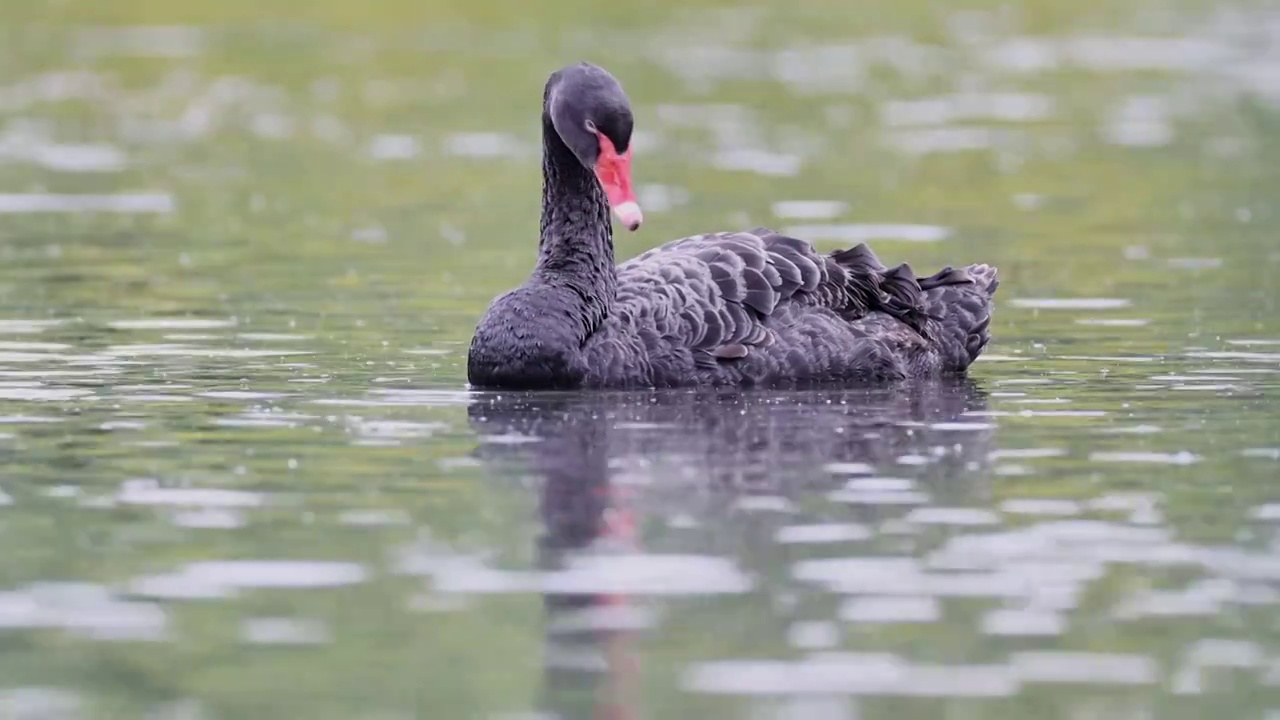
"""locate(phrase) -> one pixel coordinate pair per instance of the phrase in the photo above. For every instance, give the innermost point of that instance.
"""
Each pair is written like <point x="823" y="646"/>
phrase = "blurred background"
<point x="243" y="246"/>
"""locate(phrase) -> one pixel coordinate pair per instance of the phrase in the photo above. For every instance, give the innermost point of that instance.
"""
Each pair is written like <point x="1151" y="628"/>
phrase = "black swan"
<point x="753" y="308"/>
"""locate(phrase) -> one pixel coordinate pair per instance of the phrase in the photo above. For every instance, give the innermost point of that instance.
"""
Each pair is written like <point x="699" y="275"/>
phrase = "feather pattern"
<point x="762" y="308"/>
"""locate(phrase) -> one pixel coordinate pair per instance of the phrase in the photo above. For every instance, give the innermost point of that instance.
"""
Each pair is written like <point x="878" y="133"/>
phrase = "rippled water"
<point x="241" y="254"/>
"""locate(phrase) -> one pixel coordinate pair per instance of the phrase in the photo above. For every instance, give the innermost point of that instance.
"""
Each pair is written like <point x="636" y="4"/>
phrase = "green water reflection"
<point x="254" y="351"/>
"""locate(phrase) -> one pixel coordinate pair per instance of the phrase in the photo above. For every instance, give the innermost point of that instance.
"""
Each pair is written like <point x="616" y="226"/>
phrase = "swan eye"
<point x="590" y="125"/>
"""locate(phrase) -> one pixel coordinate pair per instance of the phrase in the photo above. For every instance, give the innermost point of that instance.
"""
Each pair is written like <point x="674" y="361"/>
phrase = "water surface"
<point x="242" y="249"/>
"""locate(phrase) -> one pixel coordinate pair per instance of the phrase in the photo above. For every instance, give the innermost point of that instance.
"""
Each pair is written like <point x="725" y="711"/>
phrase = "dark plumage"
<point x="734" y="308"/>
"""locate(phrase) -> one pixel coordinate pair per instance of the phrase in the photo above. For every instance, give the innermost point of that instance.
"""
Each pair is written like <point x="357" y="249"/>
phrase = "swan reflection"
<point x="688" y="493"/>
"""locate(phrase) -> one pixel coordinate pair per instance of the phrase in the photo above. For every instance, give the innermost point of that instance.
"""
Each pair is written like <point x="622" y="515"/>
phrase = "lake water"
<point x="243" y="246"/>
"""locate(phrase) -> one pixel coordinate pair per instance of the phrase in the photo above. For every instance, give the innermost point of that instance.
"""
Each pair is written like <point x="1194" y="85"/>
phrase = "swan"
<point x="737" y="309"/>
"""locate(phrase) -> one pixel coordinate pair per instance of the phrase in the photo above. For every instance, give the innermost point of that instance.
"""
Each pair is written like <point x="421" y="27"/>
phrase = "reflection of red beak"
<point x="622" y="657"/>
<point x="614" y="172"/>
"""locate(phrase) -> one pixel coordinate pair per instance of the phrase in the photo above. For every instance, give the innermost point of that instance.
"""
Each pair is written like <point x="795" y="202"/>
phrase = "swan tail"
<point x="959" y="304"/>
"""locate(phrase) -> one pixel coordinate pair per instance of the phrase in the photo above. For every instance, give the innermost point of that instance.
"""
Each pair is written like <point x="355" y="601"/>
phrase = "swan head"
<point x="592" y="115"/>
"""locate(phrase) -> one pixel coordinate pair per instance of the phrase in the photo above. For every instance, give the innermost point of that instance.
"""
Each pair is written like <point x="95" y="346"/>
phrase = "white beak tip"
<point x="629" y="215"/>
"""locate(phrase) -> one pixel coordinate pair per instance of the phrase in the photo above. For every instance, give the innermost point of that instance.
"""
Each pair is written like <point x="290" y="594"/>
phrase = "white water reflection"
<point x="1113" y="322"/>
<point x="124" y="203"/>
<point x="952" y="516"/>
<point x="832" y="533"/>
<point x="33" y="146"/>
<point x="149" y="492"/>
<point x="809" y="209"/>
<point x="82" y="609"/>
<point x="12" y="326"/>
<point x="945" y="109"/>
<point x="1012" y="622"/>
<point x="225" y="578"/>
<point x="760" y="162"/>
<point x="1073" y="667"/>
<point x="849" y="673"/>
<point x="1071" y="303"/>
<point x="1179" y="458"/>
<point x="1139" y="122"/>
<point x="920" y="142"/>
<point x="1040" y="506"/>
<point x="394" y="147"/>
<point x="183" y="350"/>
<point x="857" y="233"/>
<point x="486" y="145"/>
<point x="284" y="631"/>
<point x="817" y="635"/>
<point x="210" y="519"/>
<point x="54" y="703"/>
<point x="36" y="393"/>
<point x="890" y="609"/>
<point x="178" y="323"/>
<point x="621" y="574"/>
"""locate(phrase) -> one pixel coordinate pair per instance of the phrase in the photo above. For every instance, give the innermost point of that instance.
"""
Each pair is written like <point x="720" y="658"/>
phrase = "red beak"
<point x="614" y="171"/>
